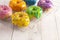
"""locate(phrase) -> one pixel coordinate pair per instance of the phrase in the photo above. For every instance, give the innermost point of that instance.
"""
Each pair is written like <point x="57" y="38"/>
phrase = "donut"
<point x="30" y="2"/>
<point x="5" y="11"/>
<point x="34" y="12"/>
<point x="17" y="5"/>
<point x="20" y="19"/>
<point x="45" y="4"/>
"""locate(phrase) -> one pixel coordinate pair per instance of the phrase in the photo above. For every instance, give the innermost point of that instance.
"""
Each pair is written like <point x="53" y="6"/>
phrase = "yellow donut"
<point x="21" y="19"/>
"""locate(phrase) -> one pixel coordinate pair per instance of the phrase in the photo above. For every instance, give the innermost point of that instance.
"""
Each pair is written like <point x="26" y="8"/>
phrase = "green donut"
<point x="34" y="11"/>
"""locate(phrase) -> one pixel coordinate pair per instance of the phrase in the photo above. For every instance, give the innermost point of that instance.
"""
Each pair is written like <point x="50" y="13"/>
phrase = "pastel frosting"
<point x="5" y="11"/>
<point x="45" y="4"/>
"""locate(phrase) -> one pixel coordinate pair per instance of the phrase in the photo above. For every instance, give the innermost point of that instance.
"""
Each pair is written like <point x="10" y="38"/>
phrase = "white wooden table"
<point x="48" y="28"/>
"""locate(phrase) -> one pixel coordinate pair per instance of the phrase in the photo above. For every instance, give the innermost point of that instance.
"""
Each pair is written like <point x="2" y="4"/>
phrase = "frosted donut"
<point x="30" y="2"/>
<point x="45" y="4"/>
<point x="34" y="12"/>
<point x="5" y="11"/>
<point x="17" y="5"/>
<point x="20" y="19"/>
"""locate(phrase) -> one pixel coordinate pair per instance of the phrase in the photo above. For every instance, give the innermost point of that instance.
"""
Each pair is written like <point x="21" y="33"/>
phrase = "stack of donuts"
<point x="22" y="12"/>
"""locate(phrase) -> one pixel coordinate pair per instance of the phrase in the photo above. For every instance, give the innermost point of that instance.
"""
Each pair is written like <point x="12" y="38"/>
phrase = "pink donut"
<point x="5" y="11"/>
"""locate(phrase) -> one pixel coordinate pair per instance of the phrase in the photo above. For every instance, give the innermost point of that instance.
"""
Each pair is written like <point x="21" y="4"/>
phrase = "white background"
<point x="47" y="28"/>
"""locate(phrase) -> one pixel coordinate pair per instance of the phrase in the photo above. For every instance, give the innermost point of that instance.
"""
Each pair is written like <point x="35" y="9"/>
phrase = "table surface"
<point x="47" y="28"/>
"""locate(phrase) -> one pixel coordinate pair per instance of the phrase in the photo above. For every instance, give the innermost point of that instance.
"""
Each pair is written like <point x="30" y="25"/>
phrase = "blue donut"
<point x="30" y="2"/>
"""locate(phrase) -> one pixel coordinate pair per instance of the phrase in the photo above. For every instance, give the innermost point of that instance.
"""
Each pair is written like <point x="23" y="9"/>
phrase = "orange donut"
<point x="17" y="5"/>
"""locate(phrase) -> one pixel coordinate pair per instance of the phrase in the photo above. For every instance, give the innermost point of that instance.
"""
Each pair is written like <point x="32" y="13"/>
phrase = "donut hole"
<point x="20" y="15"/>
<point x="4" y="8"/>
<point x="34" y="8"/>
<point x="47" y="1"/>
<point x="18" y="2"/>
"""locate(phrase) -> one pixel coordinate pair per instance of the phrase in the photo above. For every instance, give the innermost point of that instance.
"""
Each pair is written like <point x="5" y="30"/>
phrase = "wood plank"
<point x="6" y="30"/>
<point x="48" y="27"/>
<point x="57" y="14"/>
<point x="30" y="33"/>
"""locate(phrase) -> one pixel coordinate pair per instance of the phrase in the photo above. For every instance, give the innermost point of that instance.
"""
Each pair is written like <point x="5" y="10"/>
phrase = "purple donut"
<point x="45" y="4"/>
